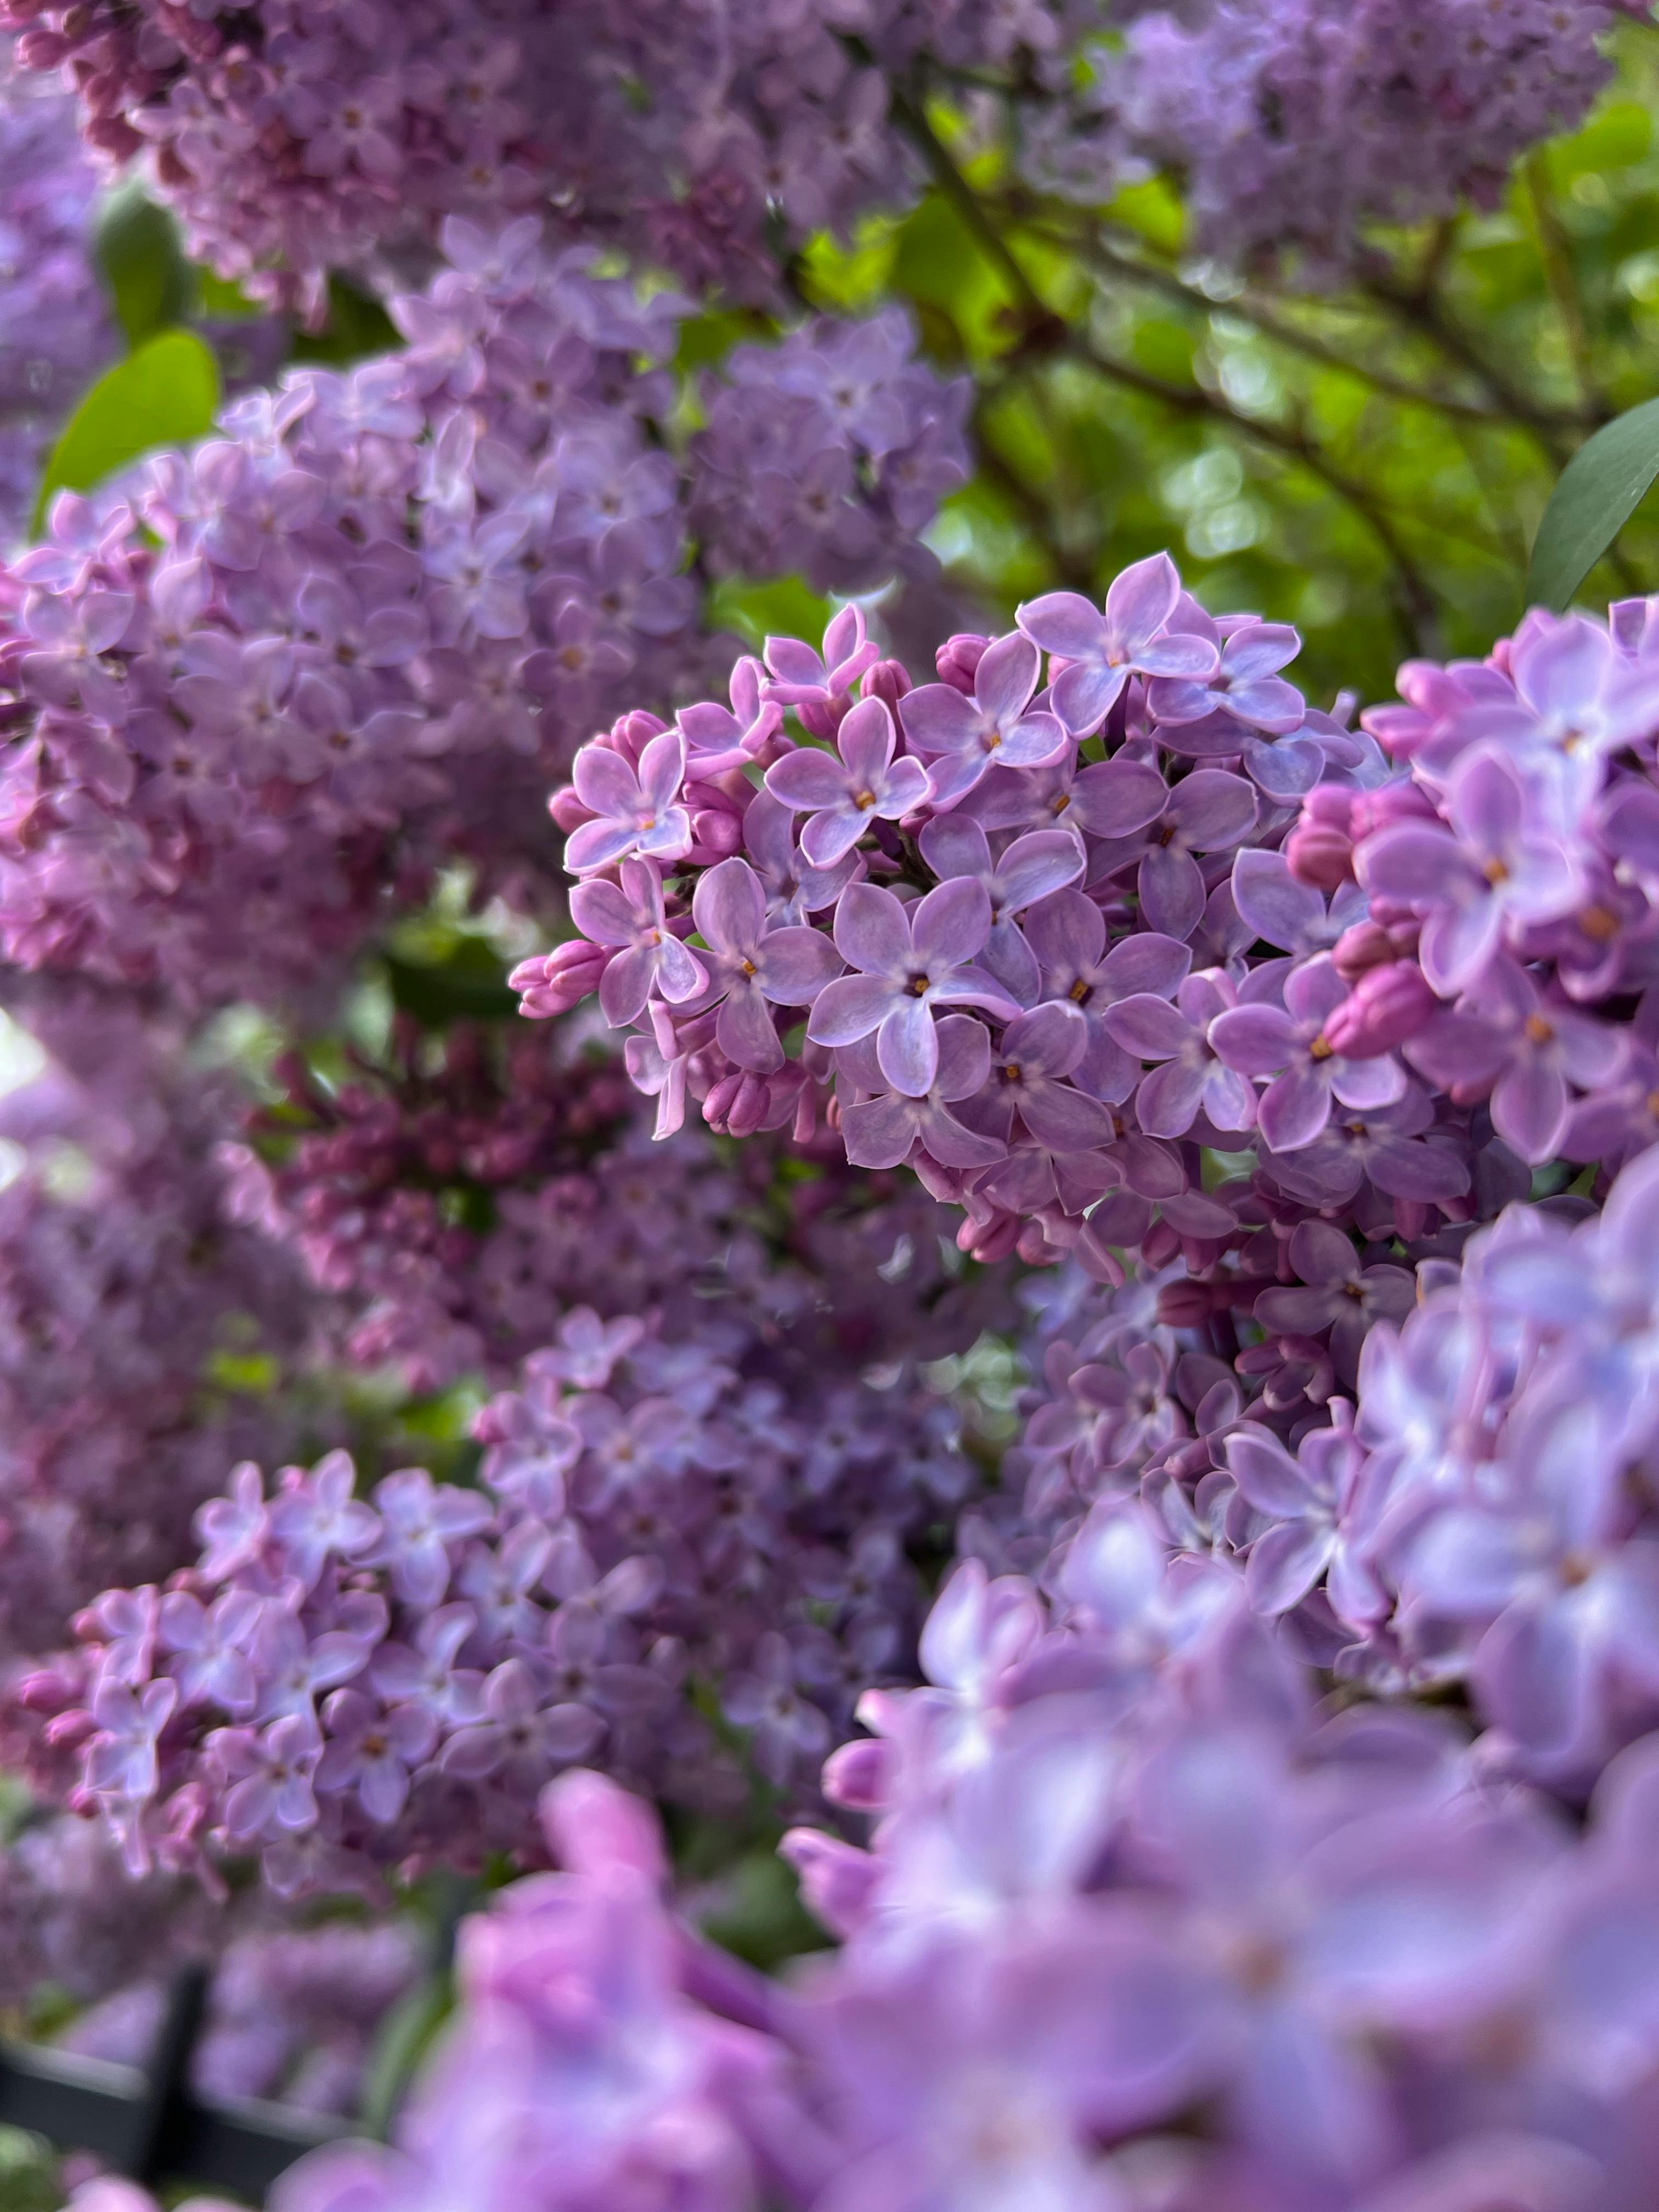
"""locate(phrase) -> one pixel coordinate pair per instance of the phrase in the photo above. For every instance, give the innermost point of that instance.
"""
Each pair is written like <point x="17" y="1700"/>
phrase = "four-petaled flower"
<point x="995" y="728"/>
<point x="752" y="966"/>
<point x="843" y="792"/>
<point x="1104" y="651"/>
<point x="633" y="813"/>
<point x="909" y="959"/>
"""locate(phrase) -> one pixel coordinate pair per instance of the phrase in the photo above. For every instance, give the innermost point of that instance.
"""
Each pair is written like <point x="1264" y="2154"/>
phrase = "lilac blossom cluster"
<point x="261" y="696"/>
<point x="56" y="329"/>
<point x="1016" y="922"/>
<point x="1287" y="119"/>
<point x="1140" y="1927"/>
<point x="455" y="1205"/>
<point x="1051" y="946"/>
<point x="1512" y="879"/>
<point x="127" y="1299"/>
<point x="292" y="136"/>
<point x="1485" y="1518"/>
<point x="348" y="1684"/>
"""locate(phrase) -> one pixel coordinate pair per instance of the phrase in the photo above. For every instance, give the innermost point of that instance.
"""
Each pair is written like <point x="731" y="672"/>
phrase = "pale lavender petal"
<point x="865" y="741"/>
<point x="1530" y="1108"/>
<point x="1212" y="809"/>
<point x="1141" y="601"/>
<point x="744" y="1033"/>
<point x="1255" y="1040"/>
<point x="1007" y="676"/>
<point x="1148" y="1026"/>
<point x="1171" y="889"/>
<point x="1169" y="1098"/>
<point x="906" y="1045"/>
<point x="807" y="780"/>
<point x="1065" y="1119"/>
<point x="1084" y="694"/>
<point x="1036" y="865"/>
<point x="849" y="1009"/>
<point x="950" y="924"/>
<point x="729" y="908"/>
<point x="828" y="837"/>
<point x="793" y="965"/>
<point x="964" y="1056"/>
<point x="1063" y="623"/>
<point x="1295" y="1107"/>
<point x="881" y="1133"/>
<point x="937" y="719"/>
<point x="1284" y="1565"/>
<point x="1115" y="797"/>
<point x="1034" y="742"/>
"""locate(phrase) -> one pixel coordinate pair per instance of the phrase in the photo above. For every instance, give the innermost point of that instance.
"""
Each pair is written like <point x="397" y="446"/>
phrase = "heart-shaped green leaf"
<point x="1600" y="488"/>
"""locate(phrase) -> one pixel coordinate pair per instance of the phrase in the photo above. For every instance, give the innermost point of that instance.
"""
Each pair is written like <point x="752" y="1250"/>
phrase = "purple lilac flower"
<point x="908" y="963"/>
<point x="1102" y="652"/>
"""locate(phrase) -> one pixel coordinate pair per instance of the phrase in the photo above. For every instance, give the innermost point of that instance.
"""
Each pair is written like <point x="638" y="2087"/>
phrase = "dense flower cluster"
<point x="1140" y="1927"/>
<point x="383" y="606"/>
<point x="456" y="1208"/>
<point x="292" y="136"/>
<point x="1289" y="120"/>
<point x="346" y="1684"/>
<point x="1513" y="882"/>
<point x="126" y="1299"/>
<point x="56" y="329"/>
<point x="1046" y="945"/>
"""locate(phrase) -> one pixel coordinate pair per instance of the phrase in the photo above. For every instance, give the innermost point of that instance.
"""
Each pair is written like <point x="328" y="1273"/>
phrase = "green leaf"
<point x="1600" y="488"/>
<point x="785" y="607"/>
<point x="467" y="987"/>
<point x="136" y="245"/>
<point x="403" y="2040"/>
<point x="166" y="393"/>
<point x="221" y="302"/>
<point x="356" y="327"/>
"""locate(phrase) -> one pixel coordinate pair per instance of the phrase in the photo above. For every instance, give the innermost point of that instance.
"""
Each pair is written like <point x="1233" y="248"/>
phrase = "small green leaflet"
<point x="166" y="393"/>
<point x="1600" y="488"/>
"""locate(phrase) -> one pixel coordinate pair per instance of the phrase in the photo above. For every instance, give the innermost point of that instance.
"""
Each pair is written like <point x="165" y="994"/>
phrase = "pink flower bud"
<point x="568" y="811"/>
<point x="1374" y="944"/>
<point x="553" y="982"/>
<point x="986" y="1241"/>
<point x="1319" y="851"/>
<point x="958" y="657"/>
<point x="736" y="1104"/>
<point x="1386" y="1007"/>
<point x="1390" y="803"/>
<point x="859" y="1776"/>
<point x="717" y="830"/>
<point x="835" y="1878"/>
<point x="888" y="680"/>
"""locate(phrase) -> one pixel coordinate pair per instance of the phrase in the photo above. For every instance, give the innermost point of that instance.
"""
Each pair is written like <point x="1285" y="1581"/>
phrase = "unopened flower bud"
<point x="1386" y="1007"/>
<point x="888" y="680"/>
<point x="957" y="659"/>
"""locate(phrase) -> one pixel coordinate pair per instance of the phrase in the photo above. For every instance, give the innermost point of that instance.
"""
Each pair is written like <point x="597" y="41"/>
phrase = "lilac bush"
<point x="1057" y="1289"/>
<point x="1290" y="118"/>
